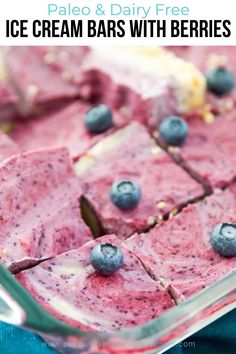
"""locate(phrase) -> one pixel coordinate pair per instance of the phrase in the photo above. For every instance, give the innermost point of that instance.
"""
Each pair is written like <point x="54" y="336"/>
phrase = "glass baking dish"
<point x="17" y="307"/>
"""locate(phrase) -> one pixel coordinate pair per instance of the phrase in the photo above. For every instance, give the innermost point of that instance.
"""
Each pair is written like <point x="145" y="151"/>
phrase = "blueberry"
<point x="125" y="194"/>
<point x="174" y="130"/>
<point x="223" y="239"/>
<point x="220" y="81"/>
<point x="106" y="258"/>
<point x="98" y="119"/>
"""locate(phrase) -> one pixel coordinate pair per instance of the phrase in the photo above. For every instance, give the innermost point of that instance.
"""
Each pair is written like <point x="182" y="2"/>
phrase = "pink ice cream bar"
<point x="38" y="85"/>
<point x="209" y="149"/>
<point x="63" y="128"/>
<point x="69" y="288"/>
<point x="130" y="153"/>
<point x="178" y="252"/>
<point x="40" y="208"/>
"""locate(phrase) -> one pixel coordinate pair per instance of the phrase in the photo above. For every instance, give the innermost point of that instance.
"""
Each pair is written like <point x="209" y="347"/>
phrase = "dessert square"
<point x="40" y="208"/>
<point x="38" y="85"/>
<point x="148" y="83"/>
<point x="209" y="148"/>
<point x="131" y="154"/>
<point x="65" y="127"/>
<point x="179" y="253"/>
<point x="68" y="287"/>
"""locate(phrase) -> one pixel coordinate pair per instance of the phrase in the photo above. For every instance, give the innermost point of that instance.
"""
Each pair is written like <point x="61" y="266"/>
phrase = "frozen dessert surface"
<point x="131" y="154"/>
<point x="40" y="207"/>
<point x="208" y="149"/>
<point x="68" y="287"/>
<point x="64" y="128"/>
<point x="179" y="253"/>
<point x="117" y="170"/>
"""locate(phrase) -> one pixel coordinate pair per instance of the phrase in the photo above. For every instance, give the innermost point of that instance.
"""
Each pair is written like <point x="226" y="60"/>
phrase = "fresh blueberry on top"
<point x="223" y="239"/>
<point x="106" y="258"/>
<point x="98" y="119"/>
<point x="125" y="194"/>
<point x="220" y="81"/>
<point x="174" y="130"/>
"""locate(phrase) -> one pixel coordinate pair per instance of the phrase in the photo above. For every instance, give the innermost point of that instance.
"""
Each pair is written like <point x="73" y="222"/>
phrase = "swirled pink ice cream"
<point x="68" y="287"/>
<point x="178" y="252"/>
<point x="40" y="208"/>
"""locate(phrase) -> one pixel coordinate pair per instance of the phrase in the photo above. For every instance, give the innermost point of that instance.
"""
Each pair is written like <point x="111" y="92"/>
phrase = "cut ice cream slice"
<point x="131" y="154"/>
<point x="7" y="147"/>
<point x="164" y="84"/>
<point x="178" y="252"/>
<point x="40" y="208"/>
<point x="63" y="128"/>
<point x="209" y="148"/>
<point x="39" y="86"/>
<point x="69" y="288"/>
